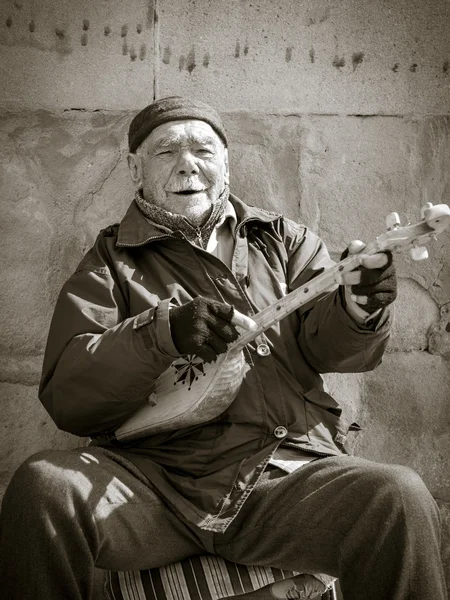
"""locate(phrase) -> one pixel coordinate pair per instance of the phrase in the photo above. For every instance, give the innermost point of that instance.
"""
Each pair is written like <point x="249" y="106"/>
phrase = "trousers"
<point x="375" y="526"/>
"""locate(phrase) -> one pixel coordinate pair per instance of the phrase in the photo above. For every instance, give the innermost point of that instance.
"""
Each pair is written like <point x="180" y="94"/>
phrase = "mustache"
<point x="182" y="185"/>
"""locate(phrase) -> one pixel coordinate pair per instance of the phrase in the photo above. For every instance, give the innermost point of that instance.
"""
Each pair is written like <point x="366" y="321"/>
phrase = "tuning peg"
<point x="392" y="221"/>
<point x="424" y="208"/>
<point x="419" y="253"/>
<point x="437" y="217"/>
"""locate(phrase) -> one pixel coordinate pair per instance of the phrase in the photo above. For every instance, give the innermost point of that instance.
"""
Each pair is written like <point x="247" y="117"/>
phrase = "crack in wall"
<point x="353" y="115"/>
<point x="436" y="280"/>
<point x="105" y="178"/>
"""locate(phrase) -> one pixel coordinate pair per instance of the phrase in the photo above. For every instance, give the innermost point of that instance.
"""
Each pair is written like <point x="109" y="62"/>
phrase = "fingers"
<point x="367" y="271"/>
<point x="236" y="318"/>
<point x="375" y="301"/>
<point x="222" y="321"/>
<point x="369" y="261"/>
<point x="209" y="351"/>
<point x="372" y="284"/>
<point x="227" y="312"/>
<point x="205" y="327"/>
<point x="359" y="299"/>
<point x="374" y="261"/>
<point x="219" y="309"/>
<point x="356" y="246"/>
<point x="223" y="329"/>
<point x="240" y="320"/>
<point x="365" y="288"/>
<point x="350" y="278"/>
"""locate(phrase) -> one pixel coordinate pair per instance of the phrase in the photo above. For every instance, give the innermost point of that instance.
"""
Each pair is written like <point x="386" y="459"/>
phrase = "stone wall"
<point x="338" y="114"/>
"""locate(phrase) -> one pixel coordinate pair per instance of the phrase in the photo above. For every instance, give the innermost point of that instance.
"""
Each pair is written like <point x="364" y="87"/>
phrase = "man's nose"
<point x="186" y="164"/>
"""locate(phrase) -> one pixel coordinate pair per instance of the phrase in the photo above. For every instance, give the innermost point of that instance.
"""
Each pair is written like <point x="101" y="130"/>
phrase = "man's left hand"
<point x="378" y="281"/>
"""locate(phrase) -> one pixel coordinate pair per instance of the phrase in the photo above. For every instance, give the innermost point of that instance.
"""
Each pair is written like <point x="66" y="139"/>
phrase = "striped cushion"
<point x="205" y="577"/>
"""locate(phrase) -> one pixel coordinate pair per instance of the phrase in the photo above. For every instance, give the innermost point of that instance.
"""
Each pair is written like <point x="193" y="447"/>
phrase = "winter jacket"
<point x="110" y="339"/>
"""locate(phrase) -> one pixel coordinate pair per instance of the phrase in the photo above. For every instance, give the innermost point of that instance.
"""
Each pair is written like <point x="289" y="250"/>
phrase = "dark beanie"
<point x="173" y="108"/>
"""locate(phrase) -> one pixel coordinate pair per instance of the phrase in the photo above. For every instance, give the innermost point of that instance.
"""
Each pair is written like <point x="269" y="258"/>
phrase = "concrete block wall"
<point x="338" y="114"/>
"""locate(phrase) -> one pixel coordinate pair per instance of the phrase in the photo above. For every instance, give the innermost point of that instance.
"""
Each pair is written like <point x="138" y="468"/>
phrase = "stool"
<point x="209" y="577"/>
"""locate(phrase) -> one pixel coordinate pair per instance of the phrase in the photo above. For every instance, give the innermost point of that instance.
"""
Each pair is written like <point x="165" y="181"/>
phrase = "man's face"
<point x="182" y="166"/>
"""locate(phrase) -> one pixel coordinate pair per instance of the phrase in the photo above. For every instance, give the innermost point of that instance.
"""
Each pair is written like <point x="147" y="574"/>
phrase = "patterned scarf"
<point x="196" y="235"/>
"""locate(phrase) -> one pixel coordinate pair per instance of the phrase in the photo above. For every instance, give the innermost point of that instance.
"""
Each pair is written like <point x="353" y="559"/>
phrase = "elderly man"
<point x="266" y="482"/>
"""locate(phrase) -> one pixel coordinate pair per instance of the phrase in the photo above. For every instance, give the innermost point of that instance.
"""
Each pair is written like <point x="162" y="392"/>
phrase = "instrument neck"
<point x="325" y="282"/>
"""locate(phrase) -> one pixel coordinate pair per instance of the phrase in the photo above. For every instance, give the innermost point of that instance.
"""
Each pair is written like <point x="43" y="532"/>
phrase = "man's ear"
<point x="134" y="165"/>
<point x="227" y="167"/>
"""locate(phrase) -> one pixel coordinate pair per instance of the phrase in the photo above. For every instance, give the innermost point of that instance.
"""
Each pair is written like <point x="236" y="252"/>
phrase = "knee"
<point x="43" y="477"/>
<point x="405" y="479"/>
<point x="400" y="486"/>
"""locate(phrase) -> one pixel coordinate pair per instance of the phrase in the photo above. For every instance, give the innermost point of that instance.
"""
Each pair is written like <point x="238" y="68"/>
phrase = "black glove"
<point x="379" y="285"/>
<point x="202" y="327"/>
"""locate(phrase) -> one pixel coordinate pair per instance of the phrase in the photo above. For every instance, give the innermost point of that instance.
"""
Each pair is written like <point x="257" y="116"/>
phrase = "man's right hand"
<point x="205" y="327"/>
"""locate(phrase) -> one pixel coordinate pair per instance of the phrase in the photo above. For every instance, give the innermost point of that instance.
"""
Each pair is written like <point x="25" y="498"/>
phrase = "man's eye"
<point x="165" y="152"/>
<point x="204" y="152"/>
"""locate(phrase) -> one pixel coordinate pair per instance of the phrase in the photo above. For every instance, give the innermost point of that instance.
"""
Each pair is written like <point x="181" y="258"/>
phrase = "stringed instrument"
<point x="191" y="392"/>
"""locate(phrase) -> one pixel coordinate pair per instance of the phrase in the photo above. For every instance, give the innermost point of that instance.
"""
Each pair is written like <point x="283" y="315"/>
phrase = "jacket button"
<point x="263" y="350"/>
<point x="280" y="432"/>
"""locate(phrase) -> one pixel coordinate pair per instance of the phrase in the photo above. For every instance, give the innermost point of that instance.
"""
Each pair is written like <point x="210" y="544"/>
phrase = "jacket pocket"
<point x="325" y="420"/>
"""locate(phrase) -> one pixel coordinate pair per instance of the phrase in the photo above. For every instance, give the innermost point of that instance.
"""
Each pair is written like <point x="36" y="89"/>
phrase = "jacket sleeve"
<point x="329" y="338"/>
<point x="99" y="363"/>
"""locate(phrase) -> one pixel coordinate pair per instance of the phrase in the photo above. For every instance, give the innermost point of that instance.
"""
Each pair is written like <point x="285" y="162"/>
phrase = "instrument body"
<point x="187" y="393"/>
<point x="191" y="392"/>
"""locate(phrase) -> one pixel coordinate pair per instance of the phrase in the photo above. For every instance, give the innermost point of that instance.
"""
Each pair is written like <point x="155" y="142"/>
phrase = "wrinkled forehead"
<point x="183" y="132"/>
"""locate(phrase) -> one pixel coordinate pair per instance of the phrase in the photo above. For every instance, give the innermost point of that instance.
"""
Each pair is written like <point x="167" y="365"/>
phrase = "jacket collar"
<point x="136" y="230"/>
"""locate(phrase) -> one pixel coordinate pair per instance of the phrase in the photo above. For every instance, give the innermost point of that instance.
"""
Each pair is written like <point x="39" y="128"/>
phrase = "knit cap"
<point x="172" y="108"/>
